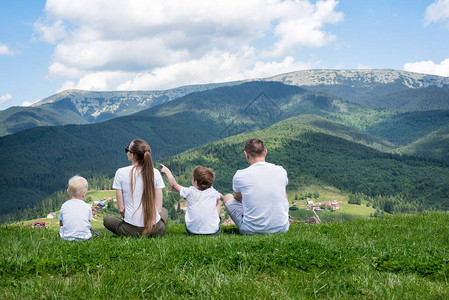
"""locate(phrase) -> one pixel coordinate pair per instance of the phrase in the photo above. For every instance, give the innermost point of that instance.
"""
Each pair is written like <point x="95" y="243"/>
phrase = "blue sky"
<point x="49" y="46"/>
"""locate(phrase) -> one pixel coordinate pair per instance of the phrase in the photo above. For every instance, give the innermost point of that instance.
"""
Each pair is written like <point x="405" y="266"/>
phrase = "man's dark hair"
<point x="254" y="147"/>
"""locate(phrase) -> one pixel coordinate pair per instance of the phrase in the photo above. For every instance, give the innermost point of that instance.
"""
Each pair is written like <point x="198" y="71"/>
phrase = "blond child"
<point x="203" y="201"/>
<point x="75" y="214"/>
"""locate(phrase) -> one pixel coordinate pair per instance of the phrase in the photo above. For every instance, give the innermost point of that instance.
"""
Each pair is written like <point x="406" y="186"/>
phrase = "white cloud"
<point x="363" y="67"/>
<point x="437" y="12"/>
<point x="429" y="67"/>
<point x="302" y="25"/>
<point x="28" y="103"/>
<point x="4" y="50"/>
<point x="140" y="44"/>
<point x="213" y="67"/>
<point x="67" y="85"/>
<point x="50" y="33"/>
<point x="5" y="98"/>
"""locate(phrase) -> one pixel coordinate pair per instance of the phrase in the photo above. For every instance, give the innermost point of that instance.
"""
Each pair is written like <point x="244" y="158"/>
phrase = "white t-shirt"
<point x="265" y="207"/>
<point x="75" y="215"/>
<point x="202" y="215"/>
<point x="133" y="206"/>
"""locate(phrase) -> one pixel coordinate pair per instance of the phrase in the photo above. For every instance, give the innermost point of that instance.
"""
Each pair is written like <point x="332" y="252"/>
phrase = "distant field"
<point x="328" y="194"/>
<point x="101" y="194"/>
<point x="356" y="210"/>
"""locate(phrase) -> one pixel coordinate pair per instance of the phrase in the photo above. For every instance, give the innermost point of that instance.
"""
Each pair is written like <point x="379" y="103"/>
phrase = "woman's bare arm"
<point x="120" y="202"/>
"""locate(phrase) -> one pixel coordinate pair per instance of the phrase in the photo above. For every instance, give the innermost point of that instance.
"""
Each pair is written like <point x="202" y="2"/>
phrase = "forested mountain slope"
<point x="15" y="119"/>
<point x="405" y="128"/>
<point x="36" y="162"/>
<point x="434" y="145"/>
<point x="421" y="99"/>
<point x="313" y="155"/>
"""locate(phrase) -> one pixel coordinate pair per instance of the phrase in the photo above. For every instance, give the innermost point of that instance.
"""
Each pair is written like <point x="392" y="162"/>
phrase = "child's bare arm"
<point x="171" y="179"/>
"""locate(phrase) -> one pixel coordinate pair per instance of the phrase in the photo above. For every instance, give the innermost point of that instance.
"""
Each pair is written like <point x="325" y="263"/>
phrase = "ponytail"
<point x="149" y="194"/>
<point x="142" y="155"/>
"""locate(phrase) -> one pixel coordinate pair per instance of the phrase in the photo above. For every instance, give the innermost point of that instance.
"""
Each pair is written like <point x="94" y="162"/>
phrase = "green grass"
<point x="301" y="214"/>
<point x="397" y="257"/>
<point x="356" y="210"/>
<point x="100" y="194"/>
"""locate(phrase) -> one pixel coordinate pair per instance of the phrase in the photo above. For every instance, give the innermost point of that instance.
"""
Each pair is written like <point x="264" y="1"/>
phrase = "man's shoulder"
<point x="241" y="173"/>
<point x="274" y="167"/>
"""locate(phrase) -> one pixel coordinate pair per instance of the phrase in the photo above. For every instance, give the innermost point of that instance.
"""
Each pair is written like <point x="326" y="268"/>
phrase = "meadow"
<point x="393" y="257"/>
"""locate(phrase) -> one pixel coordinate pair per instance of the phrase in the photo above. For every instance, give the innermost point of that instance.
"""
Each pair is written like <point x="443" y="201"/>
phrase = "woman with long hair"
<point x="139" y="196"/>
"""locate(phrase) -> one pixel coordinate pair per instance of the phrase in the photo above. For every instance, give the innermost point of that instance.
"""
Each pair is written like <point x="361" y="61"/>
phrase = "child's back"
<point x="202" y="216"/>
<point x="75" y="215"/>
<point x="203" y="201"/>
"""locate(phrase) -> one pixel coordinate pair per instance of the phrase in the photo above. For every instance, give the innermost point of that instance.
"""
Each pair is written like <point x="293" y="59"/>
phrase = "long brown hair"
<point x="142" y="156"/>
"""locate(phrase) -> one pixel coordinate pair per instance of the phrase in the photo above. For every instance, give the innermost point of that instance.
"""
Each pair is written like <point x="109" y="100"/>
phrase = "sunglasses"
<point x="127" y="150"/>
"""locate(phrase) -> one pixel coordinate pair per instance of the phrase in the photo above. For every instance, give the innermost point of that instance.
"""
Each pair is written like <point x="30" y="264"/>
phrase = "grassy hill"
<point x="399" y="257"/>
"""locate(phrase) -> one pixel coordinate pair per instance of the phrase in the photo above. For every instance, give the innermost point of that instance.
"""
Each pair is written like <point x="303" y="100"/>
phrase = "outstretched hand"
<point x="171" y="178"/>
<point x="165" y="170"/>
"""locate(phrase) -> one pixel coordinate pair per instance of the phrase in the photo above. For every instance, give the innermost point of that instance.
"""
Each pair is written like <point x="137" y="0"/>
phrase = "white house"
<point x="51" y="216"/>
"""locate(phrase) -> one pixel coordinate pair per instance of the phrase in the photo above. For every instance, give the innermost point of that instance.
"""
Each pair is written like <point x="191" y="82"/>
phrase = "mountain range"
<point x="87" y="107"/>
<point x="379" y="89"/>
<point x="319" y="137"/>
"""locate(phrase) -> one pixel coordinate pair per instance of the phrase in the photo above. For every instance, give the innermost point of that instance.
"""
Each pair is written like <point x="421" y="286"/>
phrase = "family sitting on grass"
<point x="259" y="204"/>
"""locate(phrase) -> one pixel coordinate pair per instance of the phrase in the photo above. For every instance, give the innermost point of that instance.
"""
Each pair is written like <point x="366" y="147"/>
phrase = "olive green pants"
<point x="121" y="228"/>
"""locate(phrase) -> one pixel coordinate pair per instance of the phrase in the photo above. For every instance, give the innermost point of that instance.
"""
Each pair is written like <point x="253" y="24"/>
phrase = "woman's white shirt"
<point x="132" y="199"/>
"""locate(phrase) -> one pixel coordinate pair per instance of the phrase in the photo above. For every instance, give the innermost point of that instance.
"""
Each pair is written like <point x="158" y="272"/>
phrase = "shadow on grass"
<point x="230" y="229"/>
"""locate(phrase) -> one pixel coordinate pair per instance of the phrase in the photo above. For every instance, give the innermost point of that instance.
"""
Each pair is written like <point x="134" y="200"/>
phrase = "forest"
<point x="315" y="136"/>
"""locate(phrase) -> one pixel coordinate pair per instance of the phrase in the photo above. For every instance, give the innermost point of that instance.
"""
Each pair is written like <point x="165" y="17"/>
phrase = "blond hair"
<point x="77" y="186"/>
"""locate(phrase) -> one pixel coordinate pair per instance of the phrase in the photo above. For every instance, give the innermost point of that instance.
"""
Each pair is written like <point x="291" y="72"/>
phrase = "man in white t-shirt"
<point x="259" y="204"/>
